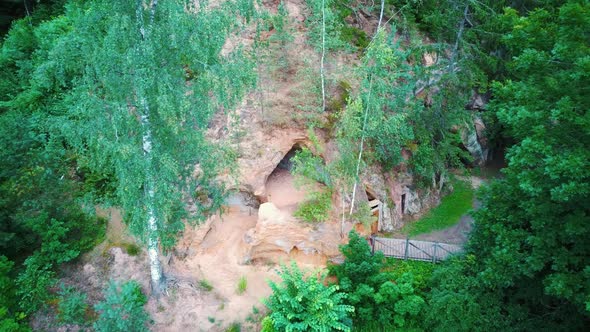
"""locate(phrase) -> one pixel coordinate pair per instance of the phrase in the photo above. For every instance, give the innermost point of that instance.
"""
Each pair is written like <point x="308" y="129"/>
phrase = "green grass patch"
<point x="242" y="285"/>
<point x="132" y="249"/>
<point x="206" y="285"/>
<point x="316" y="208"/>
<point x="448" y="213"/>
<point x="235" y="327"/>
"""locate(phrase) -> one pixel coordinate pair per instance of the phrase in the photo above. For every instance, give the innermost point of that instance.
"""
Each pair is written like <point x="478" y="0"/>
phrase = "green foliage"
<point x="421" y="271"/>
<point x="302" y="303"/>
<point x="378" y="301"/>
<point x="307" y="166"/>
<point x="267" y="325"/>
<point x="34" y="283"/>
<point x="316" y="208"/>
<point x="354" y="36"/>
<point x="389" y="116"/>
<point x="122" y="310"/>
<point x="161" y="94"/>
<point x="234" y="327"/>
<point x="9" y="317"/>
<point x="363" y="215"/>
<point x="309" y="170"/>
<point x="479" y="47"/>
<point x="42" y="223"/>
<point x="281" y="40"/>
<point x="206" y="285"/>
<point x="242" y="285"/>
<point x="322" y="10"/>
<point x="452" y="207"/>
<point x="72" y="305"/>
<point x="460" y="303"/>
<point x="132" y="249"/>
<point x="527" y="262"/>
<point x="6" y="283"/>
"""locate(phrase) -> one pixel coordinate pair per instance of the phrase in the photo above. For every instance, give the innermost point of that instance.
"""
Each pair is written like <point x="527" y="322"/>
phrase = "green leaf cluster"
<point x="72" y="305"/>
<point x="378" y="299"/>
<point x="123" y="309"/>
<point x="316" y="208"/>
<point x="527" y="261"/>
<point x="305" y="303"/>
<point x="391" y="117"/>
<point x="323" y="10"/>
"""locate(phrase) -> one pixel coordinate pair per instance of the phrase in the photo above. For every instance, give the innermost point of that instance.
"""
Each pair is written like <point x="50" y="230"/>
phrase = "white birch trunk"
<point x="358" y="163"/>
<point x="152" y="223"/>
<point x="323" y="55"/>
<point x="360" y="157"/>
<point x="153" y="237"/>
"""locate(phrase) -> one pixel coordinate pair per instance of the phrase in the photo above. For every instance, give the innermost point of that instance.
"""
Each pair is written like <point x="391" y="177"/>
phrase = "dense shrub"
<point x="306" y="304"/>
<point x="122" y="310"/>
<point x="72" y="305"/>
<point x="376" y="297"/>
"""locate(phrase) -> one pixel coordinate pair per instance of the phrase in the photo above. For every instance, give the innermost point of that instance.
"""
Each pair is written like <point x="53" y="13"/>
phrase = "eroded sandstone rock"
<point x="277" y="236"/>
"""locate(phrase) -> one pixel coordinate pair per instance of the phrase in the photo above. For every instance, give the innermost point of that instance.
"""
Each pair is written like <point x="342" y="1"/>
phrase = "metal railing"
<point x="414" y="249"/>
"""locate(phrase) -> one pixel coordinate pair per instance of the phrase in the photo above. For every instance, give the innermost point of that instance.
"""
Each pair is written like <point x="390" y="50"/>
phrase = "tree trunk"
<point x="323" y="56"/>
<point x="360" y="157"/>
<point x="153" y="237"/>
<point x="152" y="223"/>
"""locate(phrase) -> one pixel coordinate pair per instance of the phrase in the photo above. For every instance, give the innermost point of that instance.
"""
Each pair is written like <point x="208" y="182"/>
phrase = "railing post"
<point x="434" y="254"/>
<point x="406" y="251"/>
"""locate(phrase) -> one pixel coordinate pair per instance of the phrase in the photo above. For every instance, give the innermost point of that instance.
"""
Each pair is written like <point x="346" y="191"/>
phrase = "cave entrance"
<point x="403" y="205"/>
<point x="376" y="207"/>
<point x="280" y="184"/>
<point x="287" y="162"/>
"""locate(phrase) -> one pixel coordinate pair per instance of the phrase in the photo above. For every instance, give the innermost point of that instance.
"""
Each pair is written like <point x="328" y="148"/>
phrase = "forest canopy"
<point x="107" y="102"/>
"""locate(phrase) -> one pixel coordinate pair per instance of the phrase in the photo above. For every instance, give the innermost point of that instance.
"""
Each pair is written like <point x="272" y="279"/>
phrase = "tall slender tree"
<point x="153" y="78"/>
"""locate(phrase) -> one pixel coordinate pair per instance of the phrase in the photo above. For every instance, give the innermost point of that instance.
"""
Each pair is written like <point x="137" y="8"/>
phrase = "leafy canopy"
<point x="528" y="259"/>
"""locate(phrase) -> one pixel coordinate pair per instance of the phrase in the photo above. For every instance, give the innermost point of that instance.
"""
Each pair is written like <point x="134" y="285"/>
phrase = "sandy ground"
<point x="220" y="260"/>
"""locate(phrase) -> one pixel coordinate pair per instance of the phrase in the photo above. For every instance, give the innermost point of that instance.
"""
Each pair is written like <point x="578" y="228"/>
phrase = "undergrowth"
<point x="422" y="271"/>
<point x="316" y="208"/>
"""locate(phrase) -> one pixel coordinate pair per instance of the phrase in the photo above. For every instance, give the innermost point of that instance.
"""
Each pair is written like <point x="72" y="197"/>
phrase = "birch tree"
<point x="153" y="77"/>
<point x="324" y="35"/>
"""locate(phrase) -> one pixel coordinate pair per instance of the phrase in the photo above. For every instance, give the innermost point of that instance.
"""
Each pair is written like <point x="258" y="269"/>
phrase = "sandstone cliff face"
<point x="278" y="235"/>
<point x="268" y="125"/>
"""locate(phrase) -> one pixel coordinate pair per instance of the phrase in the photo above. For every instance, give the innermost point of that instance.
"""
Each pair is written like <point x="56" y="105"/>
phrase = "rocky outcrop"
<point x="473" y="133"/>
<point x="474" y="140"/>
<point x="376" y="184"/>
<point x="277" y="236"/>
<point x="412" y="204"/>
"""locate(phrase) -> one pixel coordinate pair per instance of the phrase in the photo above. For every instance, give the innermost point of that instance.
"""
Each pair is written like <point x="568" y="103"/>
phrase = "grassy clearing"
<point x="448" y="213"/>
